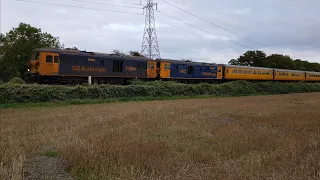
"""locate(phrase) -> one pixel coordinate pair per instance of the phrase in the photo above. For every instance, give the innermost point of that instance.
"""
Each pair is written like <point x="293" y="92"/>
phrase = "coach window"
<point x="56" y="59"/>
<point x="152" y="66"/>
<point x="165" y="66"/>
<point x="259" y="72"/>
<point x="244" y="71"/>
<point x="254" y="72"/>
<point x="117" y="66"/>
<point x="49" y="59"/>
<point x="249" y="72"/>
<point x="234" y="71"/>
<point x="239" y="71"/>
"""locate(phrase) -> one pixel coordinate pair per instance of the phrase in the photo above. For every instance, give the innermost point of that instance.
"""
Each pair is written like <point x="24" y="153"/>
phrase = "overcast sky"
<point x="275" y="26"/>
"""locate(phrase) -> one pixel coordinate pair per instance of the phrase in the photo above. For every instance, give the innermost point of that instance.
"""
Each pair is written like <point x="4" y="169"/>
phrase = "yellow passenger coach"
<point x="289" y="75"/>
<point x="313" y="76"/>
<point x="233" y="72"/>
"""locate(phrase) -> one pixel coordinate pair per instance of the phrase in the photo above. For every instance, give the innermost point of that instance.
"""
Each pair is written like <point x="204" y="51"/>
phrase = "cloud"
<point x="286" y="26"/>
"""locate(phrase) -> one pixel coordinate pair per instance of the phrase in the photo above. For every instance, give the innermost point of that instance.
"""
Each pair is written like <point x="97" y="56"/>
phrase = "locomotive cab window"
<point x="37" y="56"/>
<point x="190" y="70"/>
<point x="56" y="59"/>
<point x="49" y="59"/>
<point x="117" y="66"/>
<point x="102" y="62"/>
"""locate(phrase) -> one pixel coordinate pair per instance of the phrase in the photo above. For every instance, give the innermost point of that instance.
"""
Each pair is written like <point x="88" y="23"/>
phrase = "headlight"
<point x="28" y="70"/>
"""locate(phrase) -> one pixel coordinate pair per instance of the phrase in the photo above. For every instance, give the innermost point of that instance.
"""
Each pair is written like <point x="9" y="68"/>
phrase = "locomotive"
<point x="57" y="66"/>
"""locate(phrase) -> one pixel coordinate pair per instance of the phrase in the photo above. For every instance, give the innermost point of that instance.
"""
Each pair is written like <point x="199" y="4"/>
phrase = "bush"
<point x="17" y="80"/>
<point x="21" y="93"/>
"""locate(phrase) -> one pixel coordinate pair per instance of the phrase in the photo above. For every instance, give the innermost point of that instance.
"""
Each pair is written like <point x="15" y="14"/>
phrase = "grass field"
<point x="260" y="137"/>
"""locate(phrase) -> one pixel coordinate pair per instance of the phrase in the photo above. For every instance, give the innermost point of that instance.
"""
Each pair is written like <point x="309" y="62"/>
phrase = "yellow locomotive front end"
<point x="44" y="62"/>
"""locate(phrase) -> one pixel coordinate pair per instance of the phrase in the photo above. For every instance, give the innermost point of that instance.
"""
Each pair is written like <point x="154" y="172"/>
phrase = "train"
<point x="57" y="66"/>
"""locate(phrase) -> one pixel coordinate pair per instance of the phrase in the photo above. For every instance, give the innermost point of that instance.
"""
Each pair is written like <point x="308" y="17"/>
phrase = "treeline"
<point x="260" y="59"/>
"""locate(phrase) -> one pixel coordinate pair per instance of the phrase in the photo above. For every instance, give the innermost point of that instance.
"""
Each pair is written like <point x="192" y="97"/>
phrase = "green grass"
<point x="50" y="154"/>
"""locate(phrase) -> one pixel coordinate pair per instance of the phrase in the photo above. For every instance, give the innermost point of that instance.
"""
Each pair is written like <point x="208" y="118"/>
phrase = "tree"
<point x="135" y="53"/>
<point x="118" y="52"/>
<point x="250" y="58"/>
<point x="16" y="48"/>
<point x="280" y="61"/>
<point x="259" y="59"/>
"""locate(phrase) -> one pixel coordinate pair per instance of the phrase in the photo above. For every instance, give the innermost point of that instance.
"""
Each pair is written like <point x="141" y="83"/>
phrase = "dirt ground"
<point x="259" y="137"/>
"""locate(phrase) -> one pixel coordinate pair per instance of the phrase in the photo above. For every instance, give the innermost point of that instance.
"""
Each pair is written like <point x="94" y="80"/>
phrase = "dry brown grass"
<point x="274" y="137"/>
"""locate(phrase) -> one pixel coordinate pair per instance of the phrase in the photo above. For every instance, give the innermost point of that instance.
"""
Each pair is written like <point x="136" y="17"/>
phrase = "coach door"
<point x="55" y="64"/>
<point x="151" y="69"/>
<point x="165" y="70"/>
<point x="219" y="72"/>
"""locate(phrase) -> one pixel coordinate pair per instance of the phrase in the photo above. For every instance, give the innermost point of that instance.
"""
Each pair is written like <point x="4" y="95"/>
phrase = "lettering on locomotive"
<point x="91" y="60"/>
<point x="183" y="71"/>
<point x="208" y="74"/>
<point x="129" y="68"/>
<point x="88" y="69"/>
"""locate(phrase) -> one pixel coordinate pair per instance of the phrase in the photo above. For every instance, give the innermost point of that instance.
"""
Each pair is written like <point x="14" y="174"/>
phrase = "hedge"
<point x="25" y="93"/>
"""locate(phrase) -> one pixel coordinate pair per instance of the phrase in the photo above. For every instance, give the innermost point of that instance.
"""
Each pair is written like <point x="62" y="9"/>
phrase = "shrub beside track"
<point x="26" y="93"/>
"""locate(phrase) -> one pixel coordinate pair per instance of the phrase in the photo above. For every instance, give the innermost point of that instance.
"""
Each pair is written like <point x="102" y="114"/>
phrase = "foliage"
<point x="17" y="80"/>
<point x="17" y="46"/>
<point x="260" y="59"/>
<point x="135" y="53"/>
<point x="17" y="93"/>
<point x="250" y="58"/>
<point x="118" y="52"/>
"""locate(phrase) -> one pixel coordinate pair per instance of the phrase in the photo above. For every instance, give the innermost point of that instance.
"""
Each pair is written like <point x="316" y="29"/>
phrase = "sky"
<point x="223" y="30"/>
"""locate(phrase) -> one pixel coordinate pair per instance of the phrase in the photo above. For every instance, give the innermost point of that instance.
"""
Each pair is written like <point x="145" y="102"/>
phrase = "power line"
<point x="172" y="17"/>
<point x="212" y="23"/>
<point x="126" y="2"/>
<point x="91" y="2"/>
<point x="62" y="5"/>
<point x="191" y="32"/>
<point x="202" y="9"/>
